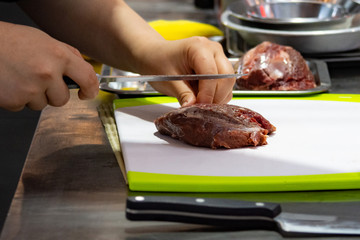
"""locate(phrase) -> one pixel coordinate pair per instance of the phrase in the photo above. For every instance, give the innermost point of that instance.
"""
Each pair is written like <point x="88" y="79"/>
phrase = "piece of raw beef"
<point x="215" y="126"/>
<point x="272" y="66"/>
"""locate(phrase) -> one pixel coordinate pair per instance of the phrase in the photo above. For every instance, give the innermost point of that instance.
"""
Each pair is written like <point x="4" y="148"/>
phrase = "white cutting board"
<point x="313" y="137"/>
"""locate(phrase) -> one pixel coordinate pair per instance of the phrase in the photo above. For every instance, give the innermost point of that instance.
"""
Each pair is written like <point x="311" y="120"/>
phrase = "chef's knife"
<point x="154" y="78"/>
<point x="238" y="214"/>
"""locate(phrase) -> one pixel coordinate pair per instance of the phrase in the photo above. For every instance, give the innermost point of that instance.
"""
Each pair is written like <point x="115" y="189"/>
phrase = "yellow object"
<point x="179" y="29"/>
<point x="86" y="57"/>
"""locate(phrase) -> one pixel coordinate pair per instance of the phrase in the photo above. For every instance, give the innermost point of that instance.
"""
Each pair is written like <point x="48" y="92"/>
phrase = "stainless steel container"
<point x="324" y="40"/>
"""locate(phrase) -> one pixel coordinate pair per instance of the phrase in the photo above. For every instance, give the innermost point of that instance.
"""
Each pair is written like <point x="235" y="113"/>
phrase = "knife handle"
<point x="209" y="211"/>
<point x="70" y="83"/>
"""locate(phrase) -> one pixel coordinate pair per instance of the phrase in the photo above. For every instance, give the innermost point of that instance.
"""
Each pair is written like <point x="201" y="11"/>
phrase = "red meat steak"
<point x="272" y="66"/>
<point x="215" y="126"/>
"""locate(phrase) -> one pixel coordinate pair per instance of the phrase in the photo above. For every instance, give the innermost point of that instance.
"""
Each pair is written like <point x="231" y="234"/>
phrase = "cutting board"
<point x="316" y="147"/>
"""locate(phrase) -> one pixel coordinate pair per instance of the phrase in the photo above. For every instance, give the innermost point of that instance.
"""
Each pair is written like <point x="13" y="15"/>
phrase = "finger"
<point x="38" y="102"/>
<point x="14" y="107"/>
<point x="224" y="90"/>
<point x="73" y="50"/>
<point x="178" y="89"/>
<point x="186" y="98"/>
<point x="225" y="86"/>
<point x="209" y="58"/>
<point x="227" y="98"/>
<point x="12" y="101"/>
<point x="57" y="93"/>
<point x="205" y="64"/>
<point x="84" y="75"/>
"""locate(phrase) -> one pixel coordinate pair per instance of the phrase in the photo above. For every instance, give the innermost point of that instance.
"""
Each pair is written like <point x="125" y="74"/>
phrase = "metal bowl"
<point x="285" y="12"/>
<point x="313" y="41"/>
<point x="289" y="15"/>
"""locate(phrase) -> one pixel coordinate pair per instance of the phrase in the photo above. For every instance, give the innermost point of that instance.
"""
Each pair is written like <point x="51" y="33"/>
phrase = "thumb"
<point x="186" y="98"/>
<point x="186" y="92"/>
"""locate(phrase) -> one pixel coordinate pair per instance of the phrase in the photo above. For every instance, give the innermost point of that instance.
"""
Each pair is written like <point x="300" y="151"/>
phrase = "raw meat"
<point x="215" y="126"/>
<point x="272" y="66"/>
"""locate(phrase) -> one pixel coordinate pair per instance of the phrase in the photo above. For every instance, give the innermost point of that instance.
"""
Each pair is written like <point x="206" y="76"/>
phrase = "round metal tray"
<point x="318" y="68"/>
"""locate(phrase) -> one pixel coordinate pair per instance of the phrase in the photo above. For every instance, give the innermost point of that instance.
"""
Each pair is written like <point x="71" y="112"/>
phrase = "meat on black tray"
<point x="271" y="66"/>
<point x="216" y="126"/>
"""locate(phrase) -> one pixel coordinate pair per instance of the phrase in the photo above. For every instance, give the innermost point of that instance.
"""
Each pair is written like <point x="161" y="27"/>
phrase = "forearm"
<point x="107" y="30"/>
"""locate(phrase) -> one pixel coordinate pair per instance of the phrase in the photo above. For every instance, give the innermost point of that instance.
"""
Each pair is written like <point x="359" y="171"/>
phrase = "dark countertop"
<point x="16" y="132"/>
<point x="72" y="188"/>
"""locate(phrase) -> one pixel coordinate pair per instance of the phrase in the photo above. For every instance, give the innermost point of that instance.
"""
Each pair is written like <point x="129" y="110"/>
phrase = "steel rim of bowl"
<point x="285" y="21"/>
<point x="227" y="22"/>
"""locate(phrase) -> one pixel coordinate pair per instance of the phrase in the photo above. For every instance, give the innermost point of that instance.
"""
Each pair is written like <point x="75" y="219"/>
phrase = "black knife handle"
<point x="70" y="83"/>
<point x="213" y="211"/>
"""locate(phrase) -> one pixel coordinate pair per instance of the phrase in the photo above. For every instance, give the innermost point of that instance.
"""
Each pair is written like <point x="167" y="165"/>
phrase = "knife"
<point x="236" y="214"/>
<point x="153" y="78"/>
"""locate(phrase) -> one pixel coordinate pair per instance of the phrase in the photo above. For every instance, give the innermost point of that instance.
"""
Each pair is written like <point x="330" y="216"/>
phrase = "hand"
<point x="32" y="66"/>
<point x="193" y="55"/>
<point x="129" y="43"/>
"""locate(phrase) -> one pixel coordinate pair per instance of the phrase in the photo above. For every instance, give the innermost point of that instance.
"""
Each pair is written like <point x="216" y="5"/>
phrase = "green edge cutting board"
<point x="316" y="147"/>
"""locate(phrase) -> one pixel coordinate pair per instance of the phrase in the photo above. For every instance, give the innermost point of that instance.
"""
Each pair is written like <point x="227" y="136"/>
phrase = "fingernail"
<point x="185" y="103"/>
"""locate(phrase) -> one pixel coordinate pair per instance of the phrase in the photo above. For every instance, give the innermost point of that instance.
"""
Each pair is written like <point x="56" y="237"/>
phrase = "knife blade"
<point x="153" y="78"/>
<point x="238" y="214"/>
<point x="157" y="78"/>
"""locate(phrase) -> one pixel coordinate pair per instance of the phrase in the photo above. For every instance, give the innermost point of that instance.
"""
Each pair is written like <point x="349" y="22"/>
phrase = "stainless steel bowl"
<point x="290" y="15"/>
<point x="313" y="41"/>
<point x="287" y="12"/>
<point x="350" y="6"/>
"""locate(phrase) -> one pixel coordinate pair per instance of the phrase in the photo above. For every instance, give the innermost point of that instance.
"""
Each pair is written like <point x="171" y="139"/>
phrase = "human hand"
<point x="32" y="66"/>
<point x="129" y="43"/>
<point x="193" y="55"/>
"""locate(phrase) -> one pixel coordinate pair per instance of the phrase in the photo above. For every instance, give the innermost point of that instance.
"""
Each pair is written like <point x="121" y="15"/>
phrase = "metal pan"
<point x="317" y="67"/>
<point x="322" y="80"/>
